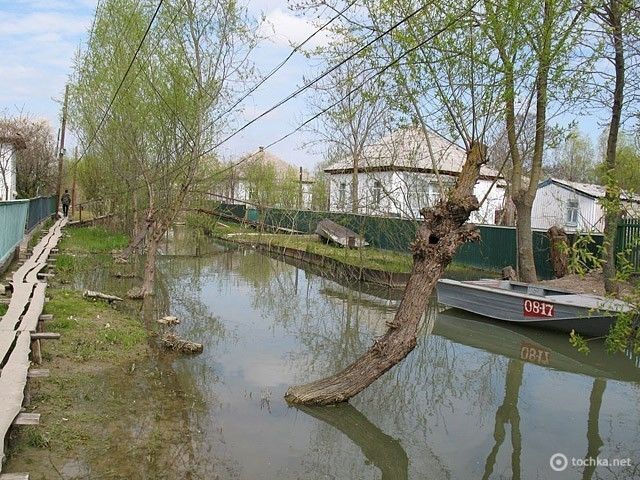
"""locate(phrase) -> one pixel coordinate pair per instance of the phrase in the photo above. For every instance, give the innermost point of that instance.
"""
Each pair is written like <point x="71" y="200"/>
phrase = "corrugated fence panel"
<point x="628" y="241"/>
<point x="39" y="209"/>
<point x="496" y="249"/>
<point x="13" y="218"/>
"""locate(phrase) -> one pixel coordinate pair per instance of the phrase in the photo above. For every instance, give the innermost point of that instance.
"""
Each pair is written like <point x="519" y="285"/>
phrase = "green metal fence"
<point x="628" y="242"/>
<point x="496" y="249"/>
<point x="39" y="209"/>
<point x="13" y="218"/>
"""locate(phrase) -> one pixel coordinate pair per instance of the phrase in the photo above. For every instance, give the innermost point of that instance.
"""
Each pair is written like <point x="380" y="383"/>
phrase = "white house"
<point x="404" y="172"/>
<point x="243" y="186"/>
<point x="9" y="145"/>
<point x="575" y="206"/>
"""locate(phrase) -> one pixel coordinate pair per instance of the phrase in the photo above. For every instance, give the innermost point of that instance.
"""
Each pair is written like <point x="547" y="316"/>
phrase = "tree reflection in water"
<point x="380" y="449"/>
<point x="449" y="394"/>
<point x="508" y="413"/>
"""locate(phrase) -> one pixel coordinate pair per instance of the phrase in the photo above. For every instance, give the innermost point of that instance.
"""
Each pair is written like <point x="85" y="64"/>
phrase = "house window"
<point x="377" y="193"/>
<point x="342" y="195"/>
<point x="572" y="212"/>
<point x="433" y="194"/>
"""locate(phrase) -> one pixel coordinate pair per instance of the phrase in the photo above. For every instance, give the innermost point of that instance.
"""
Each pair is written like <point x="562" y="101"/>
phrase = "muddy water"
<point x="474" y="399"/>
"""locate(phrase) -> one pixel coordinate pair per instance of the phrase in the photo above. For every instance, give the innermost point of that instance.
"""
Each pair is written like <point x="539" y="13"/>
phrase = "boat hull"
<point x="517" y="308"/>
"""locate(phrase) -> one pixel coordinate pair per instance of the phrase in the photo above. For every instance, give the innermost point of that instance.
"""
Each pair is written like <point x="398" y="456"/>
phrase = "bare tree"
<point x="355" y="119"/>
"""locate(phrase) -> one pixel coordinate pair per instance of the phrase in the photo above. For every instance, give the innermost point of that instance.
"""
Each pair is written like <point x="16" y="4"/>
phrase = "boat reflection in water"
<point x="475" y="399"/>
<point x="549" y="349"/>
<point x="533" y="345"/>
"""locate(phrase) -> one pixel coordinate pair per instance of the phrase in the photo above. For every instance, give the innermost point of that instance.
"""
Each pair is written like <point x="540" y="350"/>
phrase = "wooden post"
<point x="36" y="352"/>
<point x="61" y="147"/>
<point x="300" y="191"/>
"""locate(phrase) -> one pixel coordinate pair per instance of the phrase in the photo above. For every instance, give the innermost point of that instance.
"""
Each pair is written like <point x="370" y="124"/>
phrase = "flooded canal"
<point x="473" y="400"/>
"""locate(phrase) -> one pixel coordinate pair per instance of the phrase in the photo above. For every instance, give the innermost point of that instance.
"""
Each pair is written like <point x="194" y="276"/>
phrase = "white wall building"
<point x="9" y="145"/>
<point x="403" y="172"/>
<point x="575" y="206"/>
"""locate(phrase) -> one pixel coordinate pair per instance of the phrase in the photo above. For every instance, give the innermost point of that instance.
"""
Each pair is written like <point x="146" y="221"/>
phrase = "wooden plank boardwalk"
<point x="16" y="344"/>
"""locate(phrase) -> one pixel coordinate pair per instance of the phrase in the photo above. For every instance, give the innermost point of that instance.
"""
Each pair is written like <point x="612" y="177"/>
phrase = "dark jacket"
<point x="66" y="199"/>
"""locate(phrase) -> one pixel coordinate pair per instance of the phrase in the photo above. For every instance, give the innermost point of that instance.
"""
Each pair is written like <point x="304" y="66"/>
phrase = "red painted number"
<point x="535" y="308"/>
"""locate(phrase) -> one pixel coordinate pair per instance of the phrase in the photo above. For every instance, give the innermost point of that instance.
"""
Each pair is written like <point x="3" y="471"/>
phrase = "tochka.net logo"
<point x="559" y="462"/>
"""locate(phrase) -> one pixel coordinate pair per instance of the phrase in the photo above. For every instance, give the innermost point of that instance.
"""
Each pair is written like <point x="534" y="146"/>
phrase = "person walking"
<point x="66" y="201"/>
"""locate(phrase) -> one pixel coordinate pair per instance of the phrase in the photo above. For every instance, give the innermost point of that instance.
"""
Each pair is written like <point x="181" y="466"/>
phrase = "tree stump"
<point x="509" y="273"/>
<point x="559" y="251"/>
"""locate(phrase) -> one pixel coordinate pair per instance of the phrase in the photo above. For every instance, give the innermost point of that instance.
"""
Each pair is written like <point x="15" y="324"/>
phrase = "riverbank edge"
<point x="333" y="268"/>
<point x="100" y="347"/>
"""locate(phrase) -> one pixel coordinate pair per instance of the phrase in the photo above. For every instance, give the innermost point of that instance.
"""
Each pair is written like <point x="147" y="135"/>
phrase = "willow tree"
<point x="535" y="45"/>
<point x="169" y="113"/>
<point x="440" y="61"/>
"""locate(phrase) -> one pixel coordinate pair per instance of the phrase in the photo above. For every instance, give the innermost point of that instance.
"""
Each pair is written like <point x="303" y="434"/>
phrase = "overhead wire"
<point x="329" y="107"/>
<point x="124" y="77"/>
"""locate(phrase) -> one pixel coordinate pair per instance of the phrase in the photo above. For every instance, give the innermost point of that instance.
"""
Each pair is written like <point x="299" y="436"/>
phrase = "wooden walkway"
<point x="20" y="339"/>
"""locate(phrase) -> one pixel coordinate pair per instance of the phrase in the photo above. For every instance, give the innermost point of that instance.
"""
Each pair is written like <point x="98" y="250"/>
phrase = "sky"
<point x="39" y="39"/>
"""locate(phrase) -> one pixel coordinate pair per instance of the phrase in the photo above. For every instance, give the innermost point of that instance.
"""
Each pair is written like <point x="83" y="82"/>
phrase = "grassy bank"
<point x="373" y="258"/>
<point x="112" y="407"/>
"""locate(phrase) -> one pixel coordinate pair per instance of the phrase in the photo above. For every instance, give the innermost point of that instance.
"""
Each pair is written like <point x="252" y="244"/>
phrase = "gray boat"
<point x="533" y="305"/>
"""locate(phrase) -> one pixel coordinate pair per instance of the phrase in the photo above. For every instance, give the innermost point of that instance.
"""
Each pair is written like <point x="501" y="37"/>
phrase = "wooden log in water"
<point x="101" y="296"/>
<point x="172" y="341"/>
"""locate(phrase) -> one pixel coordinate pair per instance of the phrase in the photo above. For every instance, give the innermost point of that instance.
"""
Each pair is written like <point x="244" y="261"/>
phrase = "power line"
<point x="236" y="103"/>
<point x="360" y="85"/>
<point x="113" y="99"/>
<point x="326" y="109"/>
<point x="283" y="62"/>
<point x="310" y="83"/>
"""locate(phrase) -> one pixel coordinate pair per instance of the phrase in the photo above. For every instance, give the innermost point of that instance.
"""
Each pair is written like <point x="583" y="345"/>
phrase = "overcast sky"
<point x="39" y="38"/>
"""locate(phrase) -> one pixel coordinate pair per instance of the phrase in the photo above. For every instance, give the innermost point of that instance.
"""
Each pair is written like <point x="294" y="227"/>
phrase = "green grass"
<point x="93" y="330"/>
<point x="369" y="257"/>
<point x="92" y="240"/>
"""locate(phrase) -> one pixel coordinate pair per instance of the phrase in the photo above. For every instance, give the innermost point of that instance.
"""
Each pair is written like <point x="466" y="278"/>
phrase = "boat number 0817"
<point x="535" y="308"/>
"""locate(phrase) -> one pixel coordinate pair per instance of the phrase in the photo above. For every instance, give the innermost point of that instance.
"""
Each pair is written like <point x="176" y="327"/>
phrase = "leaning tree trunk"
<point x="437" y="240"/>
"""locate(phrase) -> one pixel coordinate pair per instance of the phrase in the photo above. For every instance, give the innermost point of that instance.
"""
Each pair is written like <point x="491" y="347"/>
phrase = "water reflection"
<point x="473" y="400"/>
<point x="380" y="449"/>
<point x="594" y="442"/>
<point x="508" y="413"/>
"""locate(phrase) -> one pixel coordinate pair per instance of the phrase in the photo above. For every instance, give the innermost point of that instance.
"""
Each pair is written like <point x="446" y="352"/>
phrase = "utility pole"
<point x="61" y="147"/>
